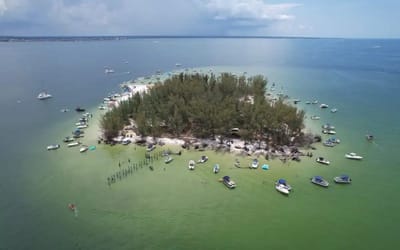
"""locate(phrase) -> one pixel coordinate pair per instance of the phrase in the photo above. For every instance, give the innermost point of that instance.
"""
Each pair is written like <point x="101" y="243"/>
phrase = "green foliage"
<point x="205" y="106"/>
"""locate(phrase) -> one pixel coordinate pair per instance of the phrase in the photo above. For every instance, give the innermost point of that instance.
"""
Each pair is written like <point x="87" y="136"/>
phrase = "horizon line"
<point x="11" y="38"/>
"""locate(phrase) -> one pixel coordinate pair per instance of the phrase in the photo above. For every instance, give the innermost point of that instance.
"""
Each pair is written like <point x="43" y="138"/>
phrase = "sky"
<point x="310" y="18"/>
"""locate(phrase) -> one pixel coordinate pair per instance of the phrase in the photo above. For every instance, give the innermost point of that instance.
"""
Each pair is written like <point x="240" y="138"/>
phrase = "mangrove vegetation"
<point x="206" y="106"/>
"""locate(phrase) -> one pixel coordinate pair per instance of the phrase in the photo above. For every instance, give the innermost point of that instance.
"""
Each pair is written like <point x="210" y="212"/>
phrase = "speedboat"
<point x="216" y="168"/>
<point x="228" y="182"/>
<point x="334" y="110"/>
<point x="44" y="96"/>
<point x="334" y="140"/>
<point x="53" y="147"/>
<point x="168" y="159"/>
<point x="342" y="179"/>
<point x="79" y="109"/>
<point x="108" y="71"/>
<point x="329" y="143"/>
<point x="322" y="160"/>
<point x="284" y="184"/>
<point x="192" y="164"/>
<point x="126" y="141"/>
<point x="318" y="180"/>
<point x="314" y="102"/>
<point x="82" y="126"/>
<point x="369" y="137"/>
<point x="254" y="164"/>
<point x="150" y="147"/>
<point x="68" y="139"/>
<point x="329" y="131"/>
<point x="324" y="106"/>
<point x="353" y="156"/>
<point x="83" y="149"/>
<point x="203" y="159"/>
<point x="315" y="117"/>
<point x="281" y="188"/>
<point x="328" y="126"/>
<point x="308" y="102"/>
<point x="265" y="167"/>
<point x="73" y="144"/>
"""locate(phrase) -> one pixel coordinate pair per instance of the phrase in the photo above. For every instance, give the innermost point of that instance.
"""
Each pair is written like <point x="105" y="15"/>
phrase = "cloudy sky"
<point x="320" y="18"/>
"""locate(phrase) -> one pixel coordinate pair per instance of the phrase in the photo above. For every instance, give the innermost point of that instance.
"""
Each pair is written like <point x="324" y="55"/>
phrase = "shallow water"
<point x="176" y="208"/>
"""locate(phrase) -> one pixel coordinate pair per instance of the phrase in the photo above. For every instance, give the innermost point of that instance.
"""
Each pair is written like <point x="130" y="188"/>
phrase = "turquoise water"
<point x="178" y="209"/>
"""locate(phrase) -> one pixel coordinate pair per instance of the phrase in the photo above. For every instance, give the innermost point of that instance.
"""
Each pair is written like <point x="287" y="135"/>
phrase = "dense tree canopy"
<point x="204" y="106"/>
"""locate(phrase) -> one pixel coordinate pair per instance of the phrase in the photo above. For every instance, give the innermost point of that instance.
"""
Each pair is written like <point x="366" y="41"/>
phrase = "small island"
<point x="203" y="108"/>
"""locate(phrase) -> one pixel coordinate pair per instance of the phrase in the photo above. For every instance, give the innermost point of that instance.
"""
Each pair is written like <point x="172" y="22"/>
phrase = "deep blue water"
<point x="360" y="77"/>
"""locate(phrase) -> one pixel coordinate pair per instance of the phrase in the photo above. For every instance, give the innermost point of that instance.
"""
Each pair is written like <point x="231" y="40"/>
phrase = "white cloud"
<point x="248" y="9"/>
<point x="3" y="6"/>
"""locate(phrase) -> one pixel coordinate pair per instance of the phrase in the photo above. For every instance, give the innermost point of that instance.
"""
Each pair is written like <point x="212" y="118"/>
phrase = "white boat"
<point x="314" y="102"/>
<point x="228" y="182"/>
<point x="329" y="131"/>
<point x="82" y="126"/>
<point x="68" y="139"/>
<point x="353" y="156"/>
<point x="334" y="110"/>
<point x="80" y="123"/>
<point x="318" y="180"/>
<point x="73" y="144"/>
<point x="322" y="160"/>
<point x="83" y="149"/>
<point x="308" y="102"/>
<point x="150" y="147"/>
<point x="102" y="107"/>
<point x="254" y="164"/>
<point x="281" y="188"/>
<point x="109" y="71"/>
<point x="324" y="106"/>
<point x="203" y="159"/>
<point x="53" y="147"/>
<point x="126" y="141"/>
<point x="315" y="117"/>
<point x="216" y="168"/>
<point x="168" y="159"/>
<point x="192" y="165"/>
<point x="342" y="179"/>
<point x="283" y="184"/>
<point x="328" y="126"/>
<point x="44" y="96"/>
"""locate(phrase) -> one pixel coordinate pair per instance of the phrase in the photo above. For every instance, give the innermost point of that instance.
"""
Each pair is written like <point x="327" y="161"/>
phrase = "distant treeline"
<point x="204" y="106"/>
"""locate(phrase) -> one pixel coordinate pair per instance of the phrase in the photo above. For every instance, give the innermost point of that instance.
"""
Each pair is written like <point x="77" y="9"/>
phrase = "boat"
<point x="126" y="141"/>
<point x="64" y="110"/>
<point x="168" y="159"/>
<point x="82" y="126"/>
<point x="329" y="143"/>
<point x="318" y="180"/>
<point x="102" y="107"/>
<point x="150" y="147"/>
<point x="44" y="96"/>
<point x="353" y="156"/>
<point x="324" y="106"/>
<point x="369" y="137"/>
<point x="151" y="168"/>
<point x="329" y="131"/>
<point x="228" y="182"/>
<point x="315" y="117"/>
<point x="68" y="139"/>
<point x="334" y="140"/>
<point x="334" y="110"/>
<point x="284" y="184"/>
<point x="203" y="159"/>
<point x="216" y="168"/>
<point x="237" y="163"/>
<point x="295" y="101"/>
<point x="328" y="126"/>
<point x="308" y="102"/>
<point x="254" y="164"/>
<point x="342" y="179"/>
<point x="80" y="123"/>
<point x="53" y="147"/>
<point x="192" y="165"/>
<point x="73" y="144"/>
<point x="281" y="188"/>
<point x="108" y="71"/>
<point x="322" y="160"/>
<point x="79" y="109"/>
<point x="265" y="167"/>
<point x="83" y="149"/>
<point x="314" y="102"/>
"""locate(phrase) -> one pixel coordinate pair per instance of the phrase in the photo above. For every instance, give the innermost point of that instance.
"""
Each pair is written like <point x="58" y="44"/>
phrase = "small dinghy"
<point x="216" y="168"/>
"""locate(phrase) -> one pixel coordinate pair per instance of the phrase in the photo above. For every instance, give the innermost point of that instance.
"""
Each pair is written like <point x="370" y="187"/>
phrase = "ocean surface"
<point x="171" y="207"/>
